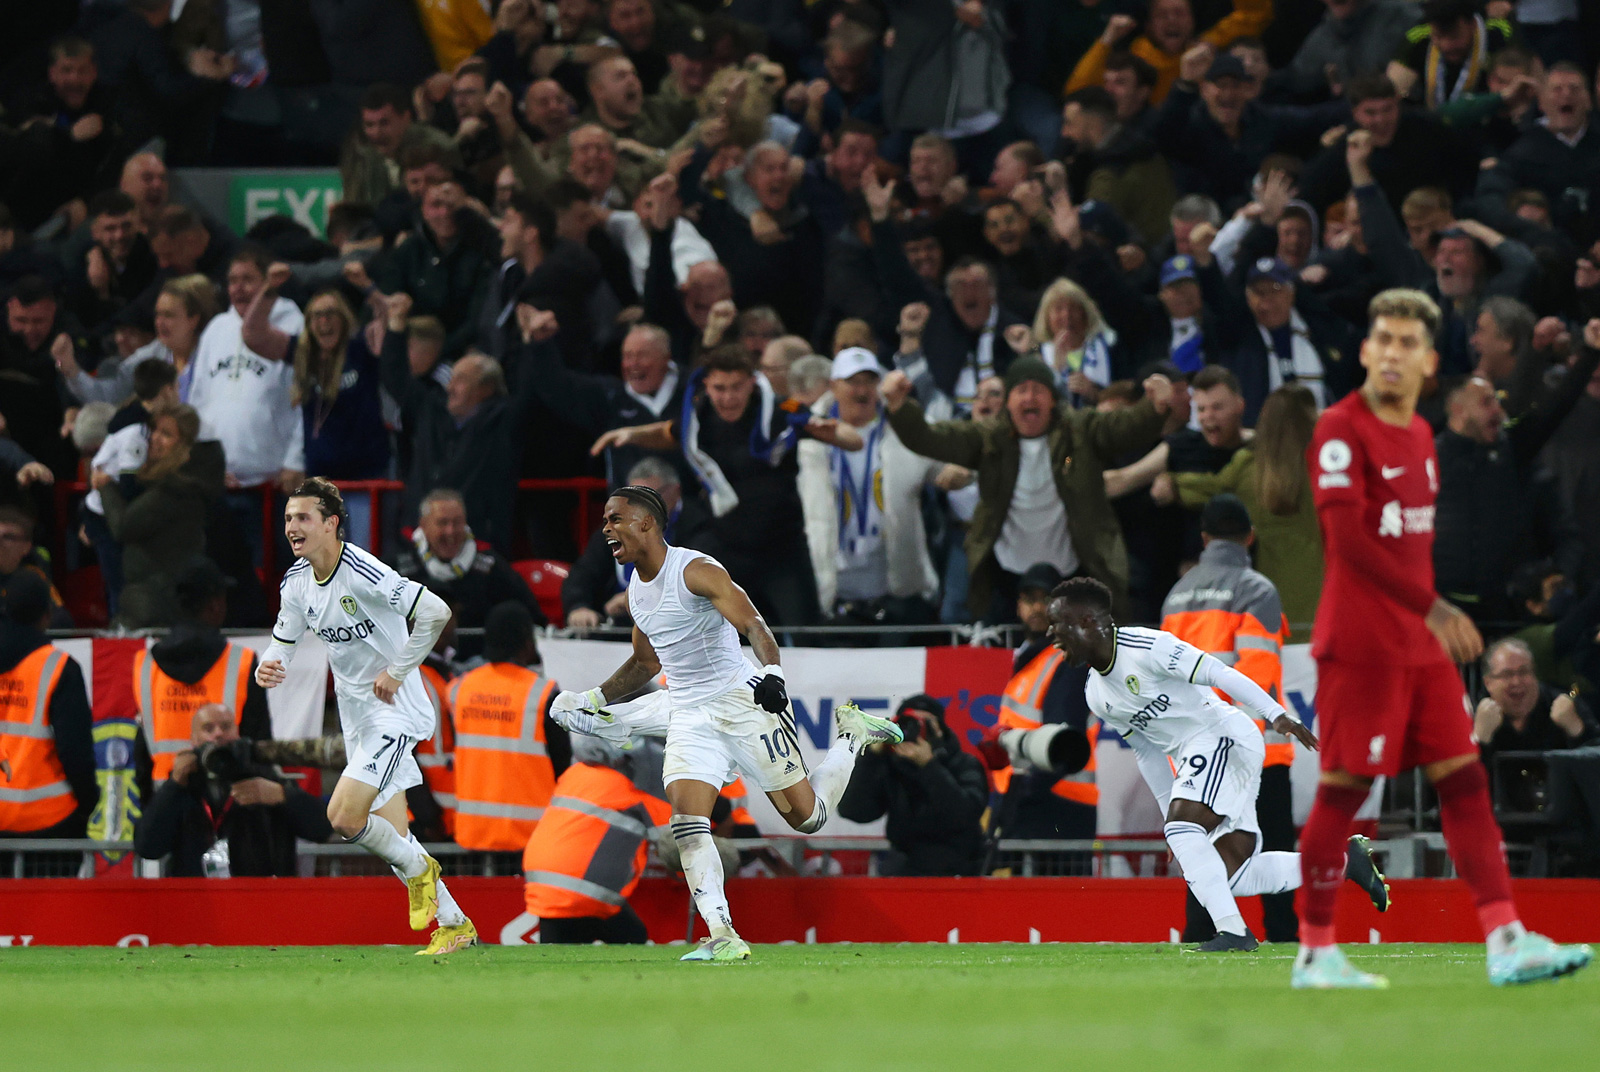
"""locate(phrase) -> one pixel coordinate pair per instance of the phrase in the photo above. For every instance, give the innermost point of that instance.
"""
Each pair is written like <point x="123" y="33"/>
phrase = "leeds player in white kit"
<point x="727" y="717"/>
<point x="1200" y="755"/>
<point x="360" y="608"/>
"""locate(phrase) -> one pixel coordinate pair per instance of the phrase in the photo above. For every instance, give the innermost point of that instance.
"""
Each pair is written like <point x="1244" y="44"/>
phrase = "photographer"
<point x="933" y="792"/>
<point x="224" y="813"/>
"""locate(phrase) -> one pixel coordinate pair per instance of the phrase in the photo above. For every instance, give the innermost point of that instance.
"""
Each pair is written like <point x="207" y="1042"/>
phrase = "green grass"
<point x="861" y="1007"/>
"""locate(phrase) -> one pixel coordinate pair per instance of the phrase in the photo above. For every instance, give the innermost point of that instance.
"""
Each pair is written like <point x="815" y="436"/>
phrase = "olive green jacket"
<point x="1082" y="443"/>
<point x="1288" y="548"/>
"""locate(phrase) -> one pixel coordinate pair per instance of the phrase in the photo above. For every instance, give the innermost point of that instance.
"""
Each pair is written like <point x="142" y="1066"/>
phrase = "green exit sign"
<point x="304" y="196"/>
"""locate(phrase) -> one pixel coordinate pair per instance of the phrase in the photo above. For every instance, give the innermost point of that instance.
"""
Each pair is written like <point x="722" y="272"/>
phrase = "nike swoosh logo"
<point x="1389" y="473"/>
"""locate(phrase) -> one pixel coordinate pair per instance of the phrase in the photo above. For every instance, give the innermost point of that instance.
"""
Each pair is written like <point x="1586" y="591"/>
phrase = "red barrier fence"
<point x="372" y="910"/>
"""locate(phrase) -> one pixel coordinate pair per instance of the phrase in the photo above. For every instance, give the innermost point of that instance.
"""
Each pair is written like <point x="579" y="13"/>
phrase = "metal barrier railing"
<point x="1406" y="856"/>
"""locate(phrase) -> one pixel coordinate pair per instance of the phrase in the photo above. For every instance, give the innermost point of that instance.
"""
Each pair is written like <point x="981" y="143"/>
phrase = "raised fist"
<point x="913" y="319"/>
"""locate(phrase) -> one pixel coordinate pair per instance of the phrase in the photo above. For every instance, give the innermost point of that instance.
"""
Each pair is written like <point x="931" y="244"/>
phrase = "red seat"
<point x="545" y="576"/>
<point x="84" y="593"/>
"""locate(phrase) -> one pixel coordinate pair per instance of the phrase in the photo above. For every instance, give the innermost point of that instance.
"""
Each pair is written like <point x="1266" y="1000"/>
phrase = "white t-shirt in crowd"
<point x="1035" y="529"/>
<point x="243" y="398"/>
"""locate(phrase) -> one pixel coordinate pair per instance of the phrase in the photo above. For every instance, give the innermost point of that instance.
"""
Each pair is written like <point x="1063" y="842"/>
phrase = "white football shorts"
<point x="1223" y="772"/>
<point x="378" y="751"/>
<point x="730" y="735"/>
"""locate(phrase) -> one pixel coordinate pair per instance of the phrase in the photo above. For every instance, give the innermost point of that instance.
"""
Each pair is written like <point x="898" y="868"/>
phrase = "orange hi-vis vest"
<point x="738" y="796"/>
<point x="588" y="851"/>
<point x="503" y="772"/>
<point x="1022" y="708"/>
<point x="436" y="755"/>
<point x="1225" y="608"/>
<point x="167" y="705"/>
<point x="35" y="794"/>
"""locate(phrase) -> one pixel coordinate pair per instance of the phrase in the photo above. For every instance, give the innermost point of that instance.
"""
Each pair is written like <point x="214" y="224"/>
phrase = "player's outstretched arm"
<point x="712" y="581"/>
<point x="286" y="632"/>
<point x="1212" y="671"/>
<point x="638" y="671"/>
<point x="428" y="619"/>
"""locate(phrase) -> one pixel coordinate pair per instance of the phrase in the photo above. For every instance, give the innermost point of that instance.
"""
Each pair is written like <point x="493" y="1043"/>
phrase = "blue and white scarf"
<point x="860" y="511"/>
<point x="763" y="446"/>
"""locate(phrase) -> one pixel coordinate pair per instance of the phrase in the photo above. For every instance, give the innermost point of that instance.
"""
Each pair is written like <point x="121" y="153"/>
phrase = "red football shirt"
<point x="1374" y="486"/>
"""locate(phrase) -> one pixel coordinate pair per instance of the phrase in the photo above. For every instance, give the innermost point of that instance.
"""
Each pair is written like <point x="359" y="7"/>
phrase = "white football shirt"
<point x="360" y="612"/>
<point x="1151" y="690"/>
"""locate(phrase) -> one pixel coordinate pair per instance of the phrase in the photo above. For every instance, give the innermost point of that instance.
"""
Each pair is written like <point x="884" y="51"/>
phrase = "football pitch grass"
<point x="795" y="1007"/>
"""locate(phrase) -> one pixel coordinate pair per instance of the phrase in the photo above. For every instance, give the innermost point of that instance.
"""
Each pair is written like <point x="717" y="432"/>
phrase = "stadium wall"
<point x="370" y="911"/>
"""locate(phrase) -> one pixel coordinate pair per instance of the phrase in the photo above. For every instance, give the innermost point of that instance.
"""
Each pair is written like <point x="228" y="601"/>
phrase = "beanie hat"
<point x="1030" y="368"/>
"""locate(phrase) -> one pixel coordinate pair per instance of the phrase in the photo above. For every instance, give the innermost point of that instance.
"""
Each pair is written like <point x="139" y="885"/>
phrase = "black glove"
<point x="770" y="692"/>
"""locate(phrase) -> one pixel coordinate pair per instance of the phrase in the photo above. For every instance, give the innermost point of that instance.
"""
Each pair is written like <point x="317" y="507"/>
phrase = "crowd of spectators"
<point x="894" y="299"/>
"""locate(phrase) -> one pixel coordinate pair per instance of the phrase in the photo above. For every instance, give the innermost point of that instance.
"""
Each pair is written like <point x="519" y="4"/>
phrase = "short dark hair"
<point x="507" y="632"/>
<point x="566" y="192"/>
<point x="253" y="253"/>
<point x="1215" y="376"/>
<point x="385" y="95"/>
<point x="1567" y="67"/>
<point x="474" y="65"/>
<point x="329" y="501"/>
<point x="177" y="220"/>
<point x="1371" y="87"/>
<point x="535" y="213"/>
<point x="27" y="598"/>
<point x="70" y="46"/>
<point x="646" y="498"/>
<point x="852" y="125"/>
<point x="422" y="153"/>
<point x="1446" y="13"/>
<point x="1096" y="100"/>
<point x="1084" y="592"/>
<point x="110" y="203"/>
<point x="1143" y="73"/>
<point x="729" y="358"/>
<point x="150" y="376"/>
<point x="33" y="289"/>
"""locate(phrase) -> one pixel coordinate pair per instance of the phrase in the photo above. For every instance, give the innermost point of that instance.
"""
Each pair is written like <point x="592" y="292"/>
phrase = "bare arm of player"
<point x="638" y="671"/>
<point x="428" y="619"/>
<point x="711" y="581"/>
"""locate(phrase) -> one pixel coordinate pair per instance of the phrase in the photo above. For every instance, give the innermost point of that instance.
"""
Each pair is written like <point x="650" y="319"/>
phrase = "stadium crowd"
<point x="892" y="300"/>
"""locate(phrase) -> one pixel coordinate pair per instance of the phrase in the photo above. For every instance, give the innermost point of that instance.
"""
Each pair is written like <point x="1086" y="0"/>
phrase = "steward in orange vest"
<point x="1227" y="609"/>
<point x="586" y="856"/>
<point x="433" y="803"/>
<point x="508" y="752"/>
<point x="194" y="665"/>
<point x="1044" y="689"/>
<point x="47" y="770"/>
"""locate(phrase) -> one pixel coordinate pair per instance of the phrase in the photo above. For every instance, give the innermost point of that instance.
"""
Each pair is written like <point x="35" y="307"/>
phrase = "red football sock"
<point x="1322" y="859"/>
<point x="1474" y="840"/>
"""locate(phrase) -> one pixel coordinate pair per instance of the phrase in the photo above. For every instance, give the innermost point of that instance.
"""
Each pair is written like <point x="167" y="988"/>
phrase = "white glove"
<point x="582" y="712"/>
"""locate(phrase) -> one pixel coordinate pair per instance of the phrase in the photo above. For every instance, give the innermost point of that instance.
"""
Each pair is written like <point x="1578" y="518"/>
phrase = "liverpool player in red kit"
<point x="1389" y="697"/>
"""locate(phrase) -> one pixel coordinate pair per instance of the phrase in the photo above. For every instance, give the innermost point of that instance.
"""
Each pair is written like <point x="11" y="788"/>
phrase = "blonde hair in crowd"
<point x="1064" y="289"/>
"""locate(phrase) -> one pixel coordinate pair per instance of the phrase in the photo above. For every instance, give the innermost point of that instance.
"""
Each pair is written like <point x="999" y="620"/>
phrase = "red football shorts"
<point x="1378" y="719"/>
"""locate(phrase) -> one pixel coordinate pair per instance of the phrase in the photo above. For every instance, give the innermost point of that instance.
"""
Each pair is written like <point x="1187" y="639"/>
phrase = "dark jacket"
<point x="137" y="61"/>
<point x="479" y="457"/>
<point x="489" y="582"/>
<point x="933" y="810"/>
<point x="449" y="283"/>
<point x="71" y="723"/>
<point x="1424" y="153"/>
<point x="1206" y="161"/>
<point x="369" y="41"/>
<point x="1082" y="443"/>
<point x="921" y="72"/>
<point x="161" y="525"/>
<point x="1129" y="174"/>
<point x="1239" y="344"/>
<point x="186" y="820"/>
<point x="1569" y="176"/>
<point x="1491" y="507"/>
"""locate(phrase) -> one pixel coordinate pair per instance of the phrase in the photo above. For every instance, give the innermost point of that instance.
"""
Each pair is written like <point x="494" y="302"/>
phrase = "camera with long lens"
<point x="227" y="762"/>
<point x="1056" y="749"/>
<point x="910" y="726"/>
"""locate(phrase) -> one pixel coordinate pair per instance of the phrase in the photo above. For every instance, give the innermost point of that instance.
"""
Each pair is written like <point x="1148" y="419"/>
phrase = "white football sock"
<point x="1205" y="873"/>
<point x="702" y="868"/>
<point x="450" y="914"/>
<point x="1500" y="939"/>
<point x="832" y="776"/>
<point x="1267" y="872"/>
<point x="380" y="838"/>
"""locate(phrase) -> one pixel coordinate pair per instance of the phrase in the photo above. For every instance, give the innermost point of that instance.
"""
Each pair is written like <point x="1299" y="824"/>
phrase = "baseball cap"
<point x="1270" y="268"/>
<point x="1039" y="577"/>
<point x="1225" y="515"/>
<point x="1227" y="65"/>
<point x="1099" y="218"/>
<point x="854" y="359"/>
<point x="1177" y="269"/>
<point x="689" y="40"/>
